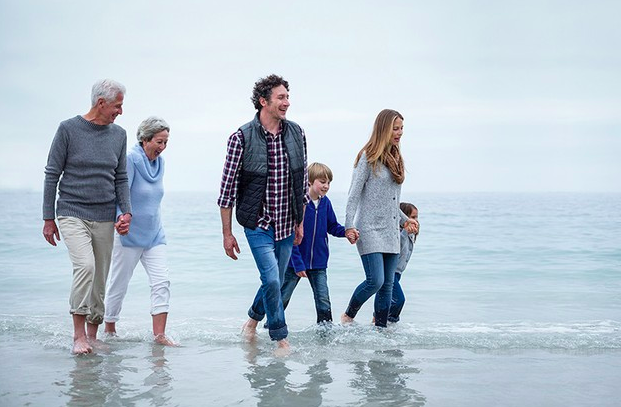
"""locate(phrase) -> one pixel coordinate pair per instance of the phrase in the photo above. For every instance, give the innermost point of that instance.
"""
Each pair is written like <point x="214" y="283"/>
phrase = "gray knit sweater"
<point x="373" y="208"/>
<point x="92" y="161"/>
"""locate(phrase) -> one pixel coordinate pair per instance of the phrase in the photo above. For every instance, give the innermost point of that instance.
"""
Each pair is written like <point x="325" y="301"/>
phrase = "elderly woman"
<point x="146" y="241"/>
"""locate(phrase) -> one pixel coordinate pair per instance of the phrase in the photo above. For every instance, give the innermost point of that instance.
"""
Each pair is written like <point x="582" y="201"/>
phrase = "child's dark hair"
<point x="407" y="207"/>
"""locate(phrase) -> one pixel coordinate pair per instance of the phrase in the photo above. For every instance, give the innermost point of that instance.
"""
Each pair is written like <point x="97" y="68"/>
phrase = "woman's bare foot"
<point x="81" y="346"/>
<point x="346" y="319"/>
<point x="162" y="339"/>
<point x="283" y="349"/>
<point x="249" y="329"/>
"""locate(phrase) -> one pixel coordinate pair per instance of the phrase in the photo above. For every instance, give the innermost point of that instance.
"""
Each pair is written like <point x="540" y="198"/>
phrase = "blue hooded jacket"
<point x="313" y="252"/>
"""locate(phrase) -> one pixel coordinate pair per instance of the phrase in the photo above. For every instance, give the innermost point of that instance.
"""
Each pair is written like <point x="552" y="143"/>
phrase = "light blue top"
<point x="146" y="191"/>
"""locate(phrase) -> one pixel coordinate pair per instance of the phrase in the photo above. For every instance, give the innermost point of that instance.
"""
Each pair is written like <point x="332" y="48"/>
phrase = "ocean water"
<point x="512" y="300"/>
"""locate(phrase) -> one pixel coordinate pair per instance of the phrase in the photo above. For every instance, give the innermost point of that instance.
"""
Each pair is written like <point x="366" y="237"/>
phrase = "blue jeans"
<point x="398" y="300"/>
<point x="318" y="280"/>
<point x="271" y="257"/>
<point x="379" y="269"/>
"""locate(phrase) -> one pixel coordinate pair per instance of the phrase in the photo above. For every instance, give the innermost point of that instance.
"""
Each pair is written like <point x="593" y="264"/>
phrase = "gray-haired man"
<point x="88" y="151"/>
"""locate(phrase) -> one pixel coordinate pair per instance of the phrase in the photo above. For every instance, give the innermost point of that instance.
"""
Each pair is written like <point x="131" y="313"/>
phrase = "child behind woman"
<point x="407" y="246"/>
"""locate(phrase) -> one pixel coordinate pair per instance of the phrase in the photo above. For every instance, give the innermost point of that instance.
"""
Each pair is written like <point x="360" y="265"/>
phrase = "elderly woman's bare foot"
<point x="162" y="339"/>
<point x="81" y="346"/>
<point x="346" y="319"/>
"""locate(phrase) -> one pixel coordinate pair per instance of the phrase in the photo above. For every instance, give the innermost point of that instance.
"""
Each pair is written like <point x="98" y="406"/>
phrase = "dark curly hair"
<point x="263" y="89"/>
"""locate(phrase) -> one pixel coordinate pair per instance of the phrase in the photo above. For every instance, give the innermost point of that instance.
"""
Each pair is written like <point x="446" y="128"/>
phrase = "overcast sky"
<point x="497" y="95"/>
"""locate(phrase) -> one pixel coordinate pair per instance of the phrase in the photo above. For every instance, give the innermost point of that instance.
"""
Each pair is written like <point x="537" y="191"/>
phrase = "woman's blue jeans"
<point x="398" y="300"/>
<point x="271" y="257"/>
<point x="379" y="269"/>
<point x="318" y="280"/>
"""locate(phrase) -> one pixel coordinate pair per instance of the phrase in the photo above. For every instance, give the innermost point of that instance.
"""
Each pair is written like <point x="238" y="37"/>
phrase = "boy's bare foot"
<point x="283" y="349"/>
<point x="249" y="329"/>
<point x="162" y="339"/>
<point x="346" y="319"/>
<point x="81" y="346"/>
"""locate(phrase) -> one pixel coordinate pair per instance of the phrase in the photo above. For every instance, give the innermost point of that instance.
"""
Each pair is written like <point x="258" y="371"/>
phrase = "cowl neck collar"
<point x="151" y="171"/>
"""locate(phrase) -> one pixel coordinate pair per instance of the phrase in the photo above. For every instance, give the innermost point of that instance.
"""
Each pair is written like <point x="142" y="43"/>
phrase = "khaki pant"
<point x="90" y="247"/>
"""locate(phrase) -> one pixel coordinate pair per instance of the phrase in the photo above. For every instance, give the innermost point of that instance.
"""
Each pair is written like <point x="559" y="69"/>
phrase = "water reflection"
<point x="160" y="379"/>
<point x="383" y="381"/>
<point x="96" y="381"/>
<point x="106" y="380"/>
<point x="274" y="387"/>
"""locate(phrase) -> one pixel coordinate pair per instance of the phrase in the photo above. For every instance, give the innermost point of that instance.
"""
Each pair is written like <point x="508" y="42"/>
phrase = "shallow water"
<point x="512" y="299"/>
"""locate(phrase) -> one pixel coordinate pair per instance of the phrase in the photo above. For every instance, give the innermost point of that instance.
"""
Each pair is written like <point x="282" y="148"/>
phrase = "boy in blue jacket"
<point x="310" y="258"/>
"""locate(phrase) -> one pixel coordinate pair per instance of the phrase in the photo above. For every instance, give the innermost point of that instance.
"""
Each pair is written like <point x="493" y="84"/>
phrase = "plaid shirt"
<point x="276" y="208"/>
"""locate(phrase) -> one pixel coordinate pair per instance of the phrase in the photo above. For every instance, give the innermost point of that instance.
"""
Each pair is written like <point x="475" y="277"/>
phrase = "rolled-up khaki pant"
<point x="90" y="247"/>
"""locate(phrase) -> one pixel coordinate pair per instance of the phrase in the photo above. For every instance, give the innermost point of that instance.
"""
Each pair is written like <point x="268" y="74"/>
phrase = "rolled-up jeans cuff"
<point x="350" y="312"/>
<point x="278" y="334"/>
<point x="255" y="316"/>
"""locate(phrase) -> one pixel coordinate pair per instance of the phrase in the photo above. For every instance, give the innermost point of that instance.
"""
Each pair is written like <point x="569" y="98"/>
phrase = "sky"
<point x="497" y="96"/>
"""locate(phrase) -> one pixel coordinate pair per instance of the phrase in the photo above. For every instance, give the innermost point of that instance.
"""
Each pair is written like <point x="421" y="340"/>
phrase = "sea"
<point x="513" y="299"/>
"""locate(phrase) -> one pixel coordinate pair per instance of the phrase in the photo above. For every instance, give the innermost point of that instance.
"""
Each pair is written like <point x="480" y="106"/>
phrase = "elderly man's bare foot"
<point x="81" y="346"/>
<point x="249" y="329"/>
<point x="98" y="345"/>
<point x="162" y="339"/>
<point x="283" y="349"/>
<point x="346" y="319"/>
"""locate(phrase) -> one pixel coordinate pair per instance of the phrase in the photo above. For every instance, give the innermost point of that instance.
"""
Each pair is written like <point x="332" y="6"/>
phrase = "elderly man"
<point x="265" y="177"/>
<point x="89" y="152"/>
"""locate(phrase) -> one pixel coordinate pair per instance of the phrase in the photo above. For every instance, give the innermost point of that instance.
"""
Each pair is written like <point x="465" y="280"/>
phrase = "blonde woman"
<point x="373" y="217"/>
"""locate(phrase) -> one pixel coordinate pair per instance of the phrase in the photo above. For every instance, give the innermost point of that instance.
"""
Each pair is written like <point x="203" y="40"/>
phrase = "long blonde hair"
<point x="379" y="149"/>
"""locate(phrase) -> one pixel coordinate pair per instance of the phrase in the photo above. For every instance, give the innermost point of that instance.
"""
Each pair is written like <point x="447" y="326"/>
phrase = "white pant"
<point x="124" y="261"/>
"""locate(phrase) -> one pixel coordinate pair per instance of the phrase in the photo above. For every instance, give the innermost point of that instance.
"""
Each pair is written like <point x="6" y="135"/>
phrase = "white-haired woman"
<point x="146" y="241"/>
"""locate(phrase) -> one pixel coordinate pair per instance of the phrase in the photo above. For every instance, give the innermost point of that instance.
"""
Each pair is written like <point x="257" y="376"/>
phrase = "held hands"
<point x="50" y="231"/>
<point x="352" y="235"/>
<point x="230" y="246"/>
<point x="411" y="226"/>
<point x="122" y="225"/>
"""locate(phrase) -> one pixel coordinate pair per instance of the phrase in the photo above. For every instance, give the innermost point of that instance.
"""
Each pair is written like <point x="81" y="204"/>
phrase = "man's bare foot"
<point x="283" y="349"/>
<point x="373" y="320"/>
<point x="162" y="339"/>
<point x="249" y="329"/>
<point x="346" y="319"/>
<point x="81" y="346"/>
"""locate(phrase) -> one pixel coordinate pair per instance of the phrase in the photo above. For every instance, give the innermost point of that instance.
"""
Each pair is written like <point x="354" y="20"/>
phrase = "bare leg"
<point x="80" y="342"/>
<point x="346" y="319"/>
<point x="159" y="329"/>
<point x="249" y="329"/>
<point x="110" y="328"/>
<point x="91" y="331"/>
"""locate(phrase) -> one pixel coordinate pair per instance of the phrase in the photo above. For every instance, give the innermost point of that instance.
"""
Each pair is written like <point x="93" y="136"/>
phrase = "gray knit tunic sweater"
<point x="92" y="161"/>
<point x="373" y="208"/>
